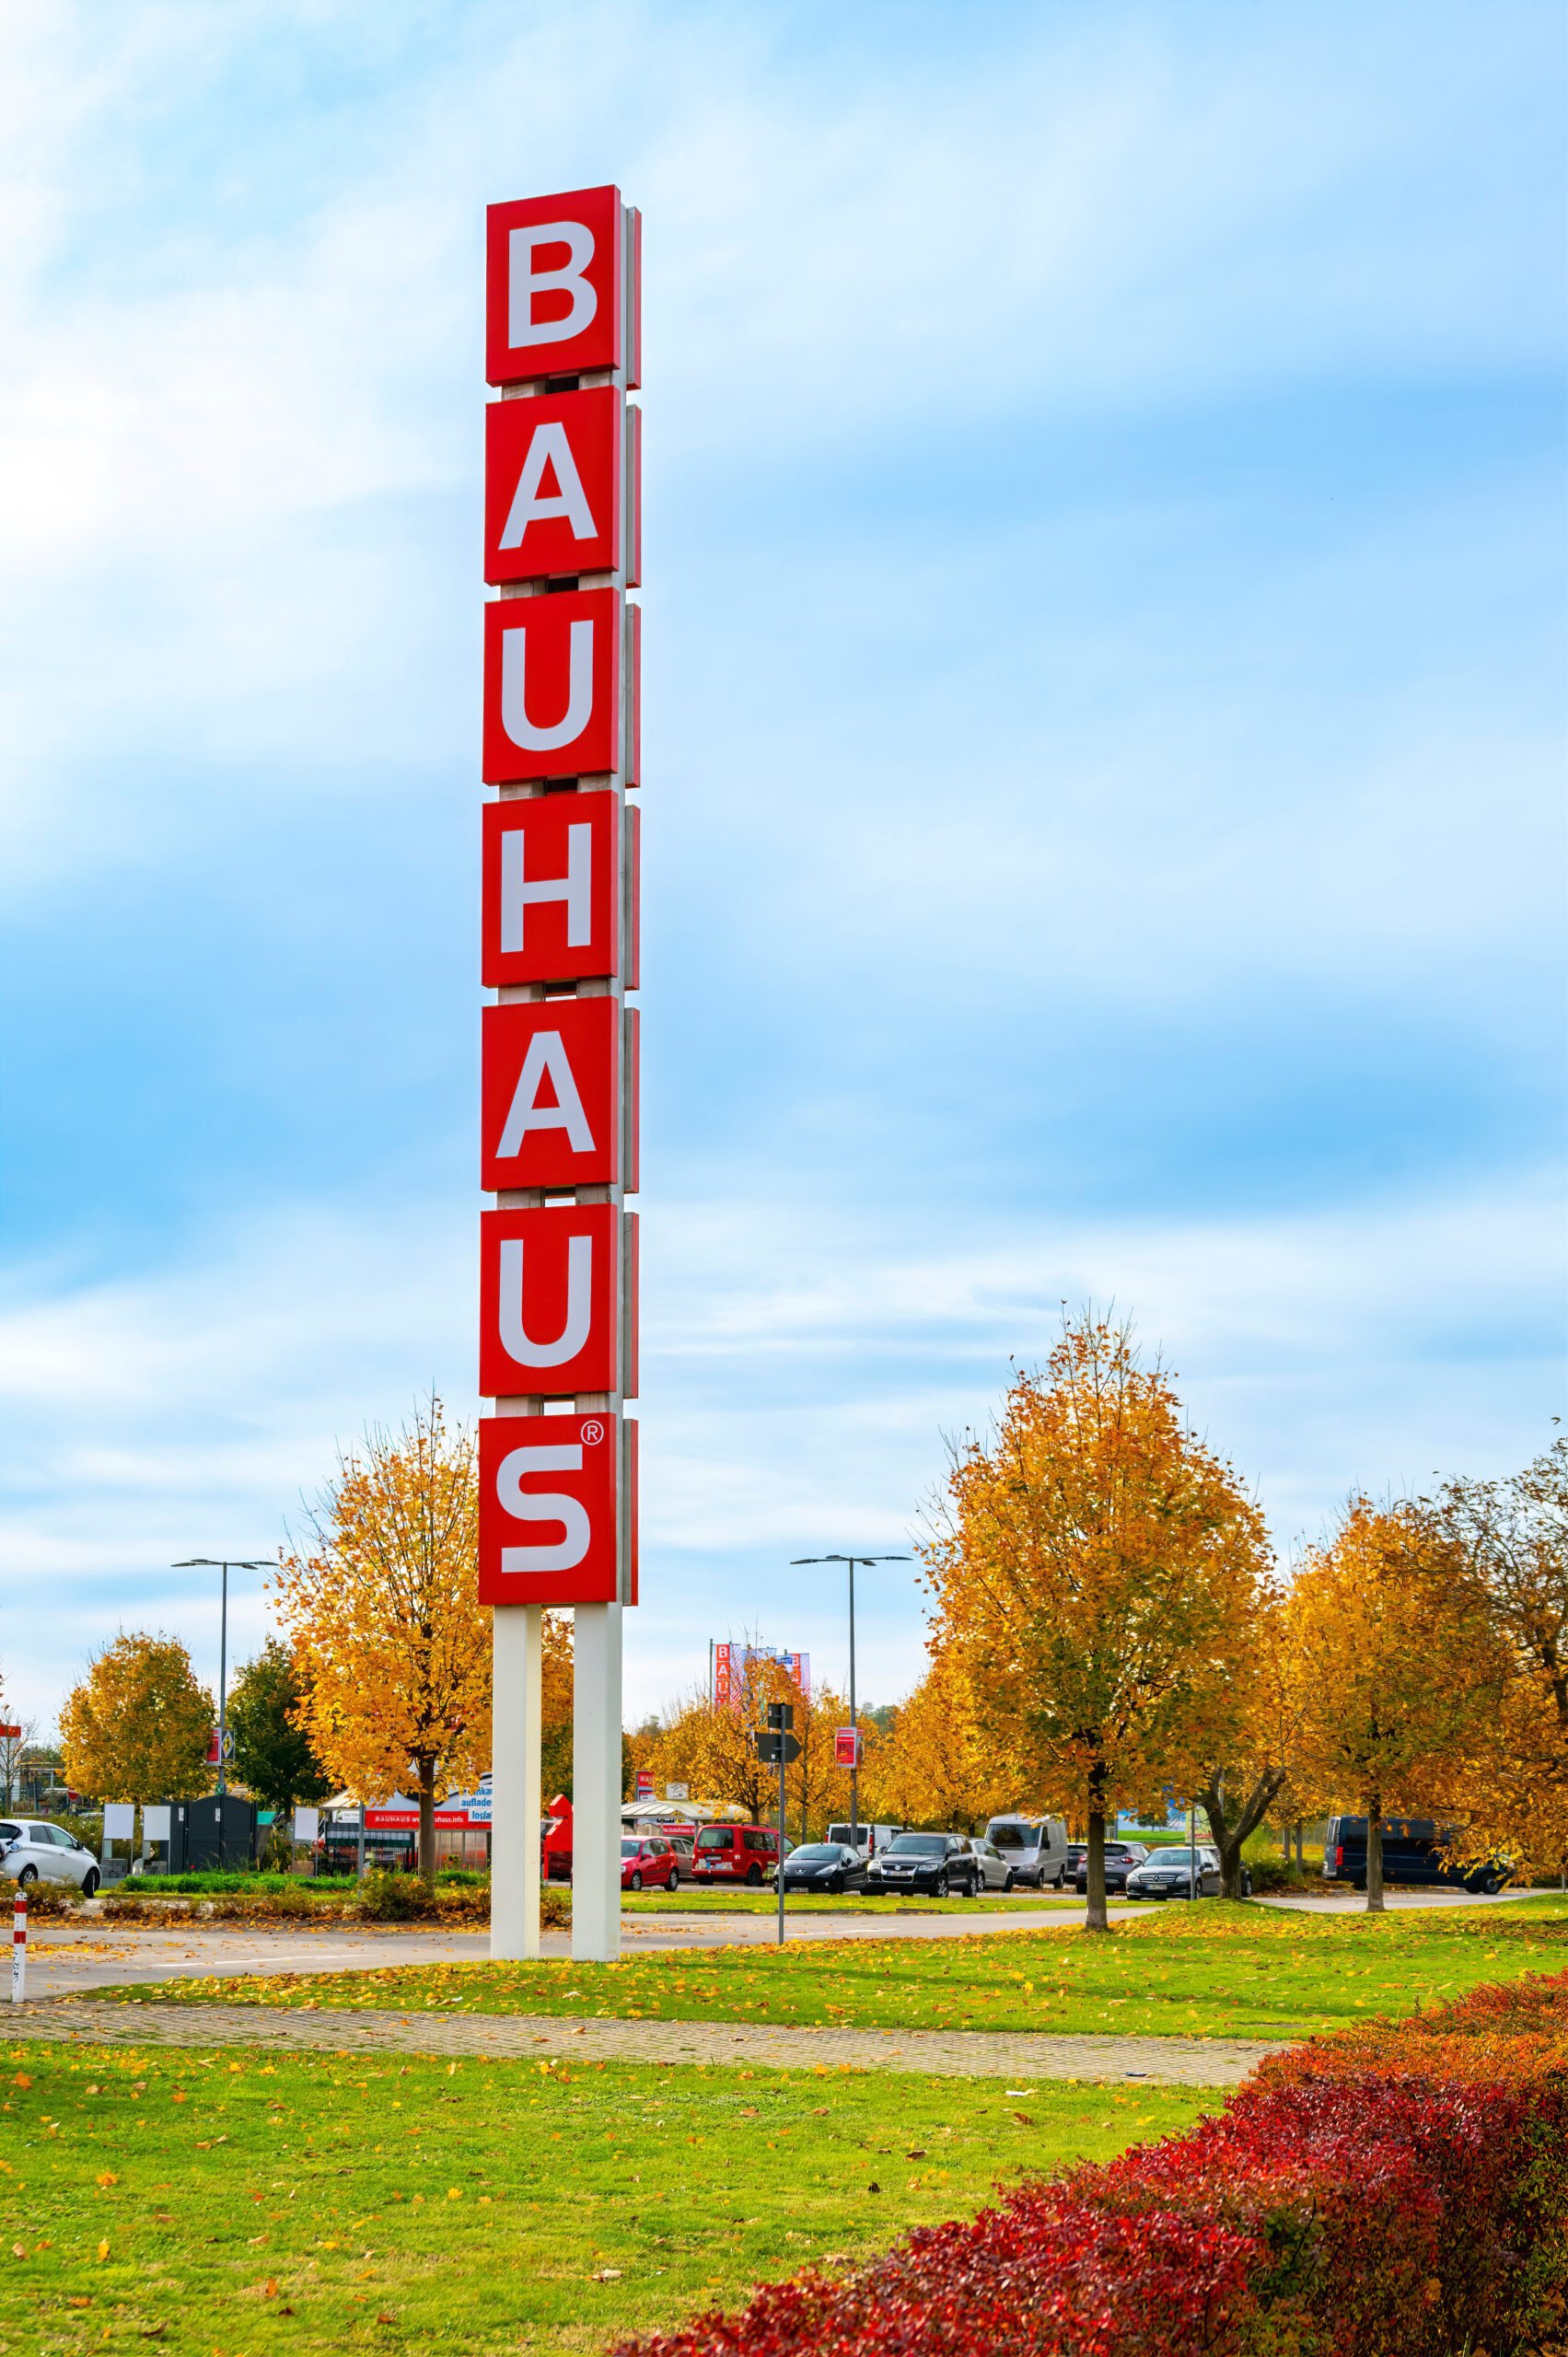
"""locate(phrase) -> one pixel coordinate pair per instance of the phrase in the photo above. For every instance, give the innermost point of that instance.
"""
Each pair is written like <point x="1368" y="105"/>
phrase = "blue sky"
<point x="1103" y="740"/>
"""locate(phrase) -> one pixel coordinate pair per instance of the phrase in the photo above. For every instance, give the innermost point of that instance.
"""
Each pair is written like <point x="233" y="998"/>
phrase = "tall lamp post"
<point x="855" y="1725"/>
<point x="217" y="1563"/>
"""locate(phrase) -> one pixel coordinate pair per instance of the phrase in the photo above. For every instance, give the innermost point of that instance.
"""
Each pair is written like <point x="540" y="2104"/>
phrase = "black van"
<point x="1415" y="1849"/>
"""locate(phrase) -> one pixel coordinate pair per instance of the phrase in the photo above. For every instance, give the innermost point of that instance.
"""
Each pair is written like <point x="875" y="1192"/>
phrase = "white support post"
<point x="515" y="1794"/>
<point x="596" y="1784"/>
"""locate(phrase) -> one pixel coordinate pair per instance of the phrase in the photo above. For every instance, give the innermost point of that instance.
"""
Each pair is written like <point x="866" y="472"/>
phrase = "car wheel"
<point x="939" y="1888"/>
<point x="29" y="1875"/>
<point x="754" y="1877"/>
<point x="89" y="1882"/>
<point x="1006" y="1886"/>
<point x="674" y="1882"/>
<point x="635" y="1883"/>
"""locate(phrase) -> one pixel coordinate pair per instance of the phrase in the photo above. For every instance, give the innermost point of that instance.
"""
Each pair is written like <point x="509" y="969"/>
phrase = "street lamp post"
<point x="855" y="1725"/>
<point x="217" y="1563"/>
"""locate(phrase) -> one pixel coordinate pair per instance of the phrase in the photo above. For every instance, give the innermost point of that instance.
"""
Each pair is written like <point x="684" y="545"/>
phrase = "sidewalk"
<point x="1172" y="2061"/>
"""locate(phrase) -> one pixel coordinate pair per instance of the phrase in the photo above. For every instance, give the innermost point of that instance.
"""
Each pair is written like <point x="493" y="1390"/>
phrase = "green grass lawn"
<point x="1227" y="1971"/>
<point x="228" y="2207"/>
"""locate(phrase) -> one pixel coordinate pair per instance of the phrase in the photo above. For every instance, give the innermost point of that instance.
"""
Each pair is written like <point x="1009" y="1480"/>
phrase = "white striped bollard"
<point x="19" y="1948"/>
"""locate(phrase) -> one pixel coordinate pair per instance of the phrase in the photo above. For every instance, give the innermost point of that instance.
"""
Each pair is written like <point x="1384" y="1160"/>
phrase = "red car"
<point x="649" y="1862"/>
<point x="735" y="1853"/>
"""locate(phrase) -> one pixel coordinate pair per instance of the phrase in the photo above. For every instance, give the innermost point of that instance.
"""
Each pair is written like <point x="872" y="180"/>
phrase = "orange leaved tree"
<point x="393" y="1644"/>
<point x="1096" y="1567"/>
<point x="936" y="1765"/>
<point x="1511" y="1537"/>
<point x="138" y="1725"/>
<point x="1401" y="1666"/>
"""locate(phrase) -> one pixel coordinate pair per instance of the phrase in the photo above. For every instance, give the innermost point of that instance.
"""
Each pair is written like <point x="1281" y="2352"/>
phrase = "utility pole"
<point x="774" y="1742"/>
<point x="855" y="1765"/>
<point x="218" y="1563"/>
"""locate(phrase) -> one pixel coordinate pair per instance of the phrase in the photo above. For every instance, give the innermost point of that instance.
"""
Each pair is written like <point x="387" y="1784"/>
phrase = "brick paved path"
<point x="1197" y="2062"/>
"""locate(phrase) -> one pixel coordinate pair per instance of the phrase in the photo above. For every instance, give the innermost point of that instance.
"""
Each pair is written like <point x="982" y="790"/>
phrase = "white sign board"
<point x="306" y="1824"/>
<point x="154" y="1821"/>
<point x="677" y="1792"/>
<point x="118" y="1821"/>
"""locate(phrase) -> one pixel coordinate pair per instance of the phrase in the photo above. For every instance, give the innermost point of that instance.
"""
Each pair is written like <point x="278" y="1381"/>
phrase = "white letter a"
<point x="546" y="1057"/>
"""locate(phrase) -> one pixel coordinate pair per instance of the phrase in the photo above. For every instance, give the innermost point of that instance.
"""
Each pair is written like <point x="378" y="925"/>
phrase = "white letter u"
<point x="514" y="691"/>
<point x="515" y="1335"/>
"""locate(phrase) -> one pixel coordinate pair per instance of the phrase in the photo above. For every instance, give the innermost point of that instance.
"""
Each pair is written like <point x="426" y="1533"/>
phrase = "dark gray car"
<point x="1168" y="1873"/>
<point x="932" y="1864"/>
<point x="824" y="1865"/>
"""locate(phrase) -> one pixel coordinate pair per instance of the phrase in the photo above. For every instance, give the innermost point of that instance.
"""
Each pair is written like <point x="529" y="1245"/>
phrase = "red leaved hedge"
<point x="1397" y="2192"/>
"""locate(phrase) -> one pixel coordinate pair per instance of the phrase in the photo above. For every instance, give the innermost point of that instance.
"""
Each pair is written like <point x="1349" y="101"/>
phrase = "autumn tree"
<point x="138" y="1725"/>
<point x="935" y="1766"/>
<point x="707" y="1746"/>
<point x="1512" y="1537"/>
<point x="1259" y="1771"/>
<point x="1096" y="1567"/>
<point x="555" y="1705"/>
<point x="1401" y="1666"/>
<point x="391" y="1640"/>
<point x="273" y="1757"/>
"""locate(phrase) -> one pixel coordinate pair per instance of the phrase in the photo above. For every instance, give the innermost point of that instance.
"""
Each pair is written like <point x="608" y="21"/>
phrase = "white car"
<point x="31" y="1850"/>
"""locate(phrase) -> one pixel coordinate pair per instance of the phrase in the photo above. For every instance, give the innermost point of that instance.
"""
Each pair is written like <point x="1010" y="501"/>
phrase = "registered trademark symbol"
<point x="593" y="1430"/>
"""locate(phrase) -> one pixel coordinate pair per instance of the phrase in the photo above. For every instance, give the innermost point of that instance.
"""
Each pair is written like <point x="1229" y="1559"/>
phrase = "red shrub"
<point x="1400" y="2193"/>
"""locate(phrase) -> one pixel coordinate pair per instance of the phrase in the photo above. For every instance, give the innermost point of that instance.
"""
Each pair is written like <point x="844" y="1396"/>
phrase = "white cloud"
<point x="800" y="1371"/>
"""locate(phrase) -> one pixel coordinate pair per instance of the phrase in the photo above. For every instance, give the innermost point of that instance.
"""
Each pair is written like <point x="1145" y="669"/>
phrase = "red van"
<point x="735" y="1853"/>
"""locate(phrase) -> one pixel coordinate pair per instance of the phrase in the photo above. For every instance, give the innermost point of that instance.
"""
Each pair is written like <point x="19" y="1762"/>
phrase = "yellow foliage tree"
<point x="1260" y="1772"/>
<point x="138" y="1725"/>
<point x="392" y="1642"/>
<point x="1512" y="1537"/>
<point x="1096" y="1567"/>
<point x="707" y="1746"/>
<point x="934" y="1767"/>
<point x="1402" y="1667"/>
<point x="555" y="1706"/>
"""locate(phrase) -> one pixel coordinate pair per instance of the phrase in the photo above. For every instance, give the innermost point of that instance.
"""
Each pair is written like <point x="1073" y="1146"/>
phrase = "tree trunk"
<point x="1300" y="1852"/>
<point x="1229" y="1834"/>
<point x="427" y="1819"/>
<point x="1097" y="1919"/>
<point x="1374" y="1856"/>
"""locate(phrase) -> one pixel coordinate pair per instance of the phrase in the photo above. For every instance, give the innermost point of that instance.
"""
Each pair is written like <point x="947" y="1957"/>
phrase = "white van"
<point x="873" y="1838"/>
<point x="1034" y="1847"/>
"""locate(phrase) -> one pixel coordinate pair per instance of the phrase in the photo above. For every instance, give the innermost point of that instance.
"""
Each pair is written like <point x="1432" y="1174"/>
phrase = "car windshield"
<point x="918" y="1845"/>
<point x="1013" y="1837"/>
<point x="713" y="1837"/>
<point x="814" y="1853"/>
<point x="1174" y="1858"/>
<point x="630" y="1849"/>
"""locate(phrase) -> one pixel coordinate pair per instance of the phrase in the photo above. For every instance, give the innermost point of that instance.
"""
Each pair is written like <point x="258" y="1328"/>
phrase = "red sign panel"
<point x="553" y="484"/>
<point x="547" y="1521"/>
<point x="555" y="286"/>
<point x="554" y="686"/>
<point x="550" y="1093"/>
<point x="846" y="1747"/>
<point x="552" y="889"/>
<point x="550" y="1302"/>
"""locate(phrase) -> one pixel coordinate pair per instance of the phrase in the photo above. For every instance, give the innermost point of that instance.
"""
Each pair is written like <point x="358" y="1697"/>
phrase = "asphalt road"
<point x="65" y="1960"/>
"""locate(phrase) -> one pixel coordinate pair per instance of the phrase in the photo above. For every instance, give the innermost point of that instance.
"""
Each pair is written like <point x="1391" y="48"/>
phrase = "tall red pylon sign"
<point x="558" y="1152"/>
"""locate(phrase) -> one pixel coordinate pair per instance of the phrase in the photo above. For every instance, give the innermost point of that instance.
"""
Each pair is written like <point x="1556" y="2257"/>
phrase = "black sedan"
<point x="1120" y="1857"/>
<point x="824" y="1865"/>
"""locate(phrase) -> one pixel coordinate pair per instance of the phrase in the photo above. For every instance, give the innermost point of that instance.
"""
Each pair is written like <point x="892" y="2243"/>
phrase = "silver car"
<point x="1171" y="1873"/>
<point x="31" y="1850"/>
<point x="997" y="1870"/>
